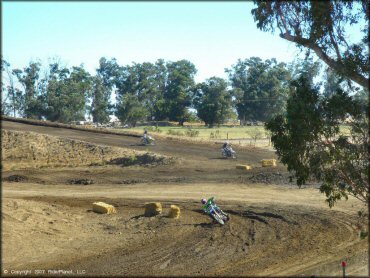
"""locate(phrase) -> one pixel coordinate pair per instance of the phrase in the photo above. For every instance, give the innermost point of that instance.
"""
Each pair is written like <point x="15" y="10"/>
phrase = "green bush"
<point x="175" y="132"/>
<point x="153" y="129"/>
<point x="215" y="135"/>
<point x="192" y="133"/>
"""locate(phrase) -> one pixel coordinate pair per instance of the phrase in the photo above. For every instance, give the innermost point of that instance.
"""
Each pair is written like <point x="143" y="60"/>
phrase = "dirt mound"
<point x="22" y="150"/>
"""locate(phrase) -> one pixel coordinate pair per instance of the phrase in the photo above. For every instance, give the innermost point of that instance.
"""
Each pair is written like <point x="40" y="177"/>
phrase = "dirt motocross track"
<point x="275" y="227"/>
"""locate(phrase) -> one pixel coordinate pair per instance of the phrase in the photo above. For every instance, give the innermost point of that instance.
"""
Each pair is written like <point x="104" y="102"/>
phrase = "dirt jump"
<point x="275" y="228"/>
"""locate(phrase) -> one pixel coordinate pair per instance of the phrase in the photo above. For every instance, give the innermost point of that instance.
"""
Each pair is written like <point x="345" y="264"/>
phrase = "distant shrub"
<point x="192" y="133"/>
<point x="175" y="132"/>
<point x="215" y="135"/>
<point x="153" y="129"/>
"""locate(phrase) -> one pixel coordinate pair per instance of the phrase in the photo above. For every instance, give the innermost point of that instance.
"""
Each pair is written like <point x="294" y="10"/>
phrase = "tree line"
<point x="256" y="90"/>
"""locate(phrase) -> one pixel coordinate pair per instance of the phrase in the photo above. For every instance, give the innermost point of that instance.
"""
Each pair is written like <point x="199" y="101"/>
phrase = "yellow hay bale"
<point x="243" y="167"/>
<point x="174" y="212"/>
<point x="101" y="207"/>
<point x="268" y="162"/>
<point x="152" y="209"/>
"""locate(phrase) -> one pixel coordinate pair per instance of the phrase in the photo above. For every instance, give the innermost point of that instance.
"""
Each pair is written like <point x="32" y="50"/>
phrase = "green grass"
<point x="217" y="133"/>
<point x="223" y="132"/>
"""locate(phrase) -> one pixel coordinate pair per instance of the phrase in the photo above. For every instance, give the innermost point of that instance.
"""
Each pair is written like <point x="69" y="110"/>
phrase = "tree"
<point x="130" y="110"/>
<point x="131" y="85"/>
<point x="322" y="26"/>
<point x="29" y="79"/>
<point x="103" y="84"/>
<point x="67" y="93"/>
<point x="307" y="139"/>
<point x="332" y="82"/>
<point x="177" y="96"/>
<point x="259" y="88"/>
<point x="100" y="101"/>
<point x="307" y="67"/>
<point x="213" y="101"/>
<point x="12" y="98"/>
<point x="159" y="105"/>
<point x="4" y="96"/>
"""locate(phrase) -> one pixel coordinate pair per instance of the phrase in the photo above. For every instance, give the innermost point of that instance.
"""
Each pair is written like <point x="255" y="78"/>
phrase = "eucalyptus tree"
<point x="324" y="28"/>
<point x="180" y="84"/>
<point x="103" y="83"/>
<point x="259" y="88"/>
<point x="67" y="93"/>
<point x="213" y="101"/>
<point x="29" y="79"/>
<point x="308" y="140"/>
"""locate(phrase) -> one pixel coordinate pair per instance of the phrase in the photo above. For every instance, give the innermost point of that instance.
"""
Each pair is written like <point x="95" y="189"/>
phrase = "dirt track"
<point x="275" y="229"/>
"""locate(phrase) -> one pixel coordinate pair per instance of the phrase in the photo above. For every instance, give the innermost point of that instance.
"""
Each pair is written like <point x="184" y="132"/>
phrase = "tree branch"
<point x="335" y="45"/>
<point x="335" y="65"/>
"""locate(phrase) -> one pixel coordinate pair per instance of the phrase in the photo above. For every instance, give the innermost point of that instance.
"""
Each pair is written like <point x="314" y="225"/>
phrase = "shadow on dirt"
<point x="15" y="178"/>
<point x="223" y="158"/>
<point x="80" y="181"/>
<point x="145" y="159"/>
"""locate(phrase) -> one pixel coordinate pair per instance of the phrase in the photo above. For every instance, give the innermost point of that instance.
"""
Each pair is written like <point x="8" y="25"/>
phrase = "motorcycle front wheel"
<point x="218" y="218"/>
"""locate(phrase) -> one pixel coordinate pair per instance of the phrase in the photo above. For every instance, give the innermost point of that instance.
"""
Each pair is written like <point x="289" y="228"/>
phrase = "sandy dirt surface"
<point x="275" y="228"/>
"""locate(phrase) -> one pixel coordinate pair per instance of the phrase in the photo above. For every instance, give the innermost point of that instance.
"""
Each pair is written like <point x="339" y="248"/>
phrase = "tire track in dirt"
<point x="269" y="226"/>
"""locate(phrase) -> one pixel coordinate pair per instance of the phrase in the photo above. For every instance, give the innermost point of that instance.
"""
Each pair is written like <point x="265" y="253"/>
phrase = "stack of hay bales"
<point x="152" y="209"/>
<point x="268" y="162"/>
<point x="174" y="212"/>
<point x="243" y="167"/>
<point x="101" y="207"/>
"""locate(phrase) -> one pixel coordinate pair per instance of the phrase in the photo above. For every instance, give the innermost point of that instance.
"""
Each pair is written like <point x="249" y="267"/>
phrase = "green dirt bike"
<point x="215" y="212"/>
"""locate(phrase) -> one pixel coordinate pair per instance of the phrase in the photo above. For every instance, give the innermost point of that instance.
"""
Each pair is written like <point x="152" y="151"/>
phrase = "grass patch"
<point x="220" y="133"/>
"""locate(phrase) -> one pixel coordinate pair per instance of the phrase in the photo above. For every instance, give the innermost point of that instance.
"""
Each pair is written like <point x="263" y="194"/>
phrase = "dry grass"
<point x="21" y="150"/>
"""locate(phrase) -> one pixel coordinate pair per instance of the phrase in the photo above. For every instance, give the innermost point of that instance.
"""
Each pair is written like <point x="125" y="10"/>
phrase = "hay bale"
<point x="174" y="212"/>
<point x="243" y="167"/>
<point x="101" y="207"/>
<point x="152" y="209"/>
<point x="268" y="162"/>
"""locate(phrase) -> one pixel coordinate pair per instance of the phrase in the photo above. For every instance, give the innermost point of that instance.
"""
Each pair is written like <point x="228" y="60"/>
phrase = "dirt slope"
<point x="275" y="228"/>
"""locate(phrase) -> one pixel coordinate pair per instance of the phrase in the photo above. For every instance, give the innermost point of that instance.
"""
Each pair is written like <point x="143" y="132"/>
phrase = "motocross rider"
<point x="146" y="136"/>
<point x="227" y="147"/>
<point x="209" y="205"/>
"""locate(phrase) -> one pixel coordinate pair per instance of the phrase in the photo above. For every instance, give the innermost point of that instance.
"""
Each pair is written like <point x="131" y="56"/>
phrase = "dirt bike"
<point x="226" y="153"/>
<point x="218" y="215"/>
<point x="147" y="141"/>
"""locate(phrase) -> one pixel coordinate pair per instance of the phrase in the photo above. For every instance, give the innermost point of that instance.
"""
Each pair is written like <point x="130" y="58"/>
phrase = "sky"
<point x="212" y="35"/>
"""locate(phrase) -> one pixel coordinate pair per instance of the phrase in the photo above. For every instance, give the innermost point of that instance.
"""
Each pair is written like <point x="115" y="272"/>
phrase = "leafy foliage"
<point x="259" y="88"/>
<point x="103" y="84"/>
<point x="33" y="105"/>
<point x="322" y="26"/>
<point x="67" y="92"/>
<point x="130" y="110"/>
<point x="307" y="140"/>
<point x="177" y="96"/>
<point x="213" y="101"/>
